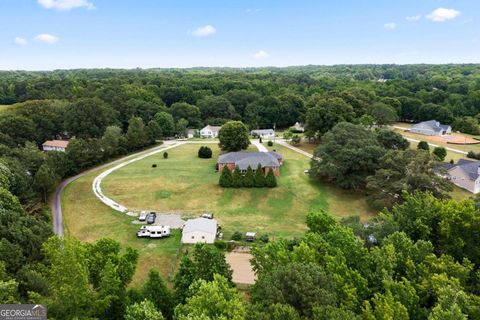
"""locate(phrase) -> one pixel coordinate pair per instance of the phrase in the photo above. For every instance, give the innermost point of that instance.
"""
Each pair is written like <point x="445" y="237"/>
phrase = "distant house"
<point x="55" y="145"/>
<point x="199" y="230"/>
<point x="268" y="161"/>
<point x="299" y="127"/>
<point x="263" y="133"/>
<point x="210" y="131"/>
<point x="465" y="174"/>
<point x="431" y="128"/>
<point x="191" y="133"/>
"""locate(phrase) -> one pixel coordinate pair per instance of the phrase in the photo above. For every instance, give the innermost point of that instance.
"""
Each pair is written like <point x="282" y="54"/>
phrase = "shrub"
<point x="423" y="145"/>
<point x="231" y="245"/>
<point x="271" y="180"/>
<point x="248" y="180"/>
<point x="259" y="178"/>
<point x="264" y="238"/>
<point x="226" y="179"/>
<point x="270" y="143"/>
<point x="220" y="244"/>
<point x="237" y="178"/>
<point x="237" y="236"/>
<point x="296" y="139"/>
<point x="165" y="155"/>
<point x="473" y="155"/>
<point x="154" y="165"/>
<point x="440" y="152"/>
<point x="204" y="152"/>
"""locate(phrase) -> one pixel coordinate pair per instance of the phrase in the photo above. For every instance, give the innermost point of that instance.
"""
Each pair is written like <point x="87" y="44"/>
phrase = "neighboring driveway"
<point x="259" y="146"/>
<point x="289" y="146"/>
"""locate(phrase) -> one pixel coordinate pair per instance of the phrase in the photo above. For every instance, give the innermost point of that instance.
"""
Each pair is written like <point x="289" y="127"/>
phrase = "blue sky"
<point x="54" y="34"/>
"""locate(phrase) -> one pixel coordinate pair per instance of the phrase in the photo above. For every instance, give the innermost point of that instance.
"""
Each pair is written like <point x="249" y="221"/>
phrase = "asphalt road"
<point x="56" y="201"/>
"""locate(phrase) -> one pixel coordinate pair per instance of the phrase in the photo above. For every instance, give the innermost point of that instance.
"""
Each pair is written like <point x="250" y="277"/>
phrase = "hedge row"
<point x="249" y="180"/>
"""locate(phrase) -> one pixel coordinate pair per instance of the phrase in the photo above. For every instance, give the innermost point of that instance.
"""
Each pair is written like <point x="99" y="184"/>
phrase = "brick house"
<point x="268" y="160"/>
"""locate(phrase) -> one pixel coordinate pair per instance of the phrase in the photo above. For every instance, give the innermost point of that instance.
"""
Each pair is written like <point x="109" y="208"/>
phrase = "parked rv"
<point x="154" y="231"/>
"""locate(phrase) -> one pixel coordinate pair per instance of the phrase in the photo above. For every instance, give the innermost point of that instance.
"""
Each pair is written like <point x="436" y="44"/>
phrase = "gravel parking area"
<point x="172" y="220"/>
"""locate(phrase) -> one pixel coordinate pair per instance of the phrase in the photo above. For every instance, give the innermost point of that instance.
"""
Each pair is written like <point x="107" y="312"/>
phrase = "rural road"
<point x="56" y="201"/>
<point x="431" y="144"/>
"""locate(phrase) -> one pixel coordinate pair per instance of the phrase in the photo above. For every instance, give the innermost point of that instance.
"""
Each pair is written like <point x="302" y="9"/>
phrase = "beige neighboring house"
<point x="465" y="174"/>
<point x="55" y="145"/>
<point x="191" y="133"/>
<point x="210" y="131"/>
<point x="199" y="230"/>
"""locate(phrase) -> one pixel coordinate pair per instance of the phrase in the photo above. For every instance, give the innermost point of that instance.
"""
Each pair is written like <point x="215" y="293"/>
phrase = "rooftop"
<point x="56" y="143"/>
<point x="243" y="159"/>
<point x="471" y="168"/>
<point x="201" y="224"/>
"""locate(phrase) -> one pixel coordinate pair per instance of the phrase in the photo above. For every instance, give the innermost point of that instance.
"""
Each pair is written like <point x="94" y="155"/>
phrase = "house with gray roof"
<point x="431" y="128"/>
<point x="263" y="133"/>
<point x="210" y="131"/>
<point x="199" y="230"/>
<point x="465" y="174"/>
<point x="267" y="160"/>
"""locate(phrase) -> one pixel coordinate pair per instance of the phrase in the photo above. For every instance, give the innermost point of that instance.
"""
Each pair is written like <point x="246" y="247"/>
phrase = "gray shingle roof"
<point x="471" y="168"/>
<point x="201" y="224"/>
<point x="262" y="131"/>
<point x="243" y="159"/>
<point x="433" y="125"/>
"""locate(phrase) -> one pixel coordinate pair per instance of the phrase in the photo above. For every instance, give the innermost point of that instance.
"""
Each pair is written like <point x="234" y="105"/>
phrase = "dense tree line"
<point x="379" y="163"/>
<point x="320" y="95"/>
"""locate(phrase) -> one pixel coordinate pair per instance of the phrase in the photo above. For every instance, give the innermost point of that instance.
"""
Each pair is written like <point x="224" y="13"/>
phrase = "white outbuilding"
<point x="199" y="230"/>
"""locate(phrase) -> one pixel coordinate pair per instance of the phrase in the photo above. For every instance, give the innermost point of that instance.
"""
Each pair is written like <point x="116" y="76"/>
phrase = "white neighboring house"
<point x="191" y="133"/>
<point x="263" y="133"/>
<point x="210" y="131"/>
<point x="431" y="128"/>
<point x="55" y="145"/>
<point x="199" y="230"/>
<point x="299" y="127"/>
<point x="465" y="174"/>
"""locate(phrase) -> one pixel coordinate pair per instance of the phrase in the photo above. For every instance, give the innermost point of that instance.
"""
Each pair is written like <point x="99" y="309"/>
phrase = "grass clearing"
<point x="87" y="219"/>
<point x="183" y="183"/>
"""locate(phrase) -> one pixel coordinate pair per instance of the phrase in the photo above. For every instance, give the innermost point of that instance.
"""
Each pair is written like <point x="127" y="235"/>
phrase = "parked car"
<point x="207" y="215"/>
<point x="151" y="217"/>
<point x="142" y="216"/>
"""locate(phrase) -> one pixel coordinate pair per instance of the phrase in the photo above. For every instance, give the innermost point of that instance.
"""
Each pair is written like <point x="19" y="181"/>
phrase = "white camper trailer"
<point x="154" y="231"/>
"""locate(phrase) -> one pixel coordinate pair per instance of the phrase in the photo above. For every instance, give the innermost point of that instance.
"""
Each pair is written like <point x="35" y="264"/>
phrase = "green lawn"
<point x="87" y="219"/>
<point x="186" y="184"/>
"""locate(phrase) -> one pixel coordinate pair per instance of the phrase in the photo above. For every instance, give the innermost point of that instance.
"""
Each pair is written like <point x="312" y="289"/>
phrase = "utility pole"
<point x="274" y="125"/>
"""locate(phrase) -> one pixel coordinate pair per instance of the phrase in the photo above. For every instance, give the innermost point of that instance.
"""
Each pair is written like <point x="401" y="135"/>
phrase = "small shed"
<point x="199" y="230"/>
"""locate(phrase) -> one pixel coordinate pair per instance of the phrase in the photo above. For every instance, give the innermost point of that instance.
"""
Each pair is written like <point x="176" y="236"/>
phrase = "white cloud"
<point x="413" y="18"/>
<point x="204" y="31"/>
<point x="19" y="41"/>
<point x="443" y="14"/>
<point x="260" y="55"/>
<point x="65" y="5"/>
<point x="47" y="38"/>
<point x="390" y="25"/>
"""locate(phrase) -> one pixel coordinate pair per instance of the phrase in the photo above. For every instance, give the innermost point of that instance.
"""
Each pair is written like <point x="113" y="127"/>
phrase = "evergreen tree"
<point x="259" y="179"/>
<point x="248" y="179"/>
<point x="45" y="180"/>
<point x="156" y="291"/>
<point x="226" y="179"/>
<point x="271" y="180"/>
<point x="237" y="178"/>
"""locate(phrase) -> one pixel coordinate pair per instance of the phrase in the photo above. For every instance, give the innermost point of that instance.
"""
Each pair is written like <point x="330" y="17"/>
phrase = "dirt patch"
<point x="242" y="269"/>
<point x="454" y="138"/>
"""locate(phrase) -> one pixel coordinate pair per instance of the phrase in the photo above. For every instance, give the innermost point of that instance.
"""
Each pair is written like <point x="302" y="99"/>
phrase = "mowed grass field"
<point x="87" y="219"/>
<point x="185" y="184"/>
